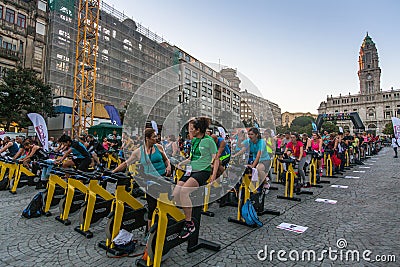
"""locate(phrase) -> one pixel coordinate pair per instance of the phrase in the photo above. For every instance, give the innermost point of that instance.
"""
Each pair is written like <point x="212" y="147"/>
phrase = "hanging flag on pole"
<point x="154" y="126"/>
<point x="221" y="132"/>
<point x="314" y="127"/>
<point x="396" y="127"/>
<point x="40" y="128"/>
<point x="113" y="113"/>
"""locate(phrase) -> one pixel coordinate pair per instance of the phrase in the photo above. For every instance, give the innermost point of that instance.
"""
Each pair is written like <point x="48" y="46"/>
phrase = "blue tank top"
<point x="12" y="150"/>
<point x="79" y="150"/>
<point x="227" y="150"/>
<point x="153" y="163"/>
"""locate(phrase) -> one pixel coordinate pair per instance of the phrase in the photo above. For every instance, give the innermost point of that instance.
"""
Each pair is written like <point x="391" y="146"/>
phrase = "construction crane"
<point x="85" y="66"/>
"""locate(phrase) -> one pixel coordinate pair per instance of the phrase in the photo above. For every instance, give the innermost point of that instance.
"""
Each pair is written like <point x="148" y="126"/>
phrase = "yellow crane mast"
<point x="85" y="66"/>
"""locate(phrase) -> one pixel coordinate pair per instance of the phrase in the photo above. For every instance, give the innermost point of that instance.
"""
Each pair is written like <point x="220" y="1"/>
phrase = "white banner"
<point x="154" y="126"/>
<point x="41" y="129"/>
<point x="396" y="127"/>
<point x="221" y="132"/>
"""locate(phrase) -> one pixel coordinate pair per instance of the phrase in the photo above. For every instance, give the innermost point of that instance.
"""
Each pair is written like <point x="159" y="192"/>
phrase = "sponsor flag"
<point x="396" y="127"/>
<point x="113" y="113"/>
<point x="40" y="128"/>
<point x="221" y="132"/>
<point x="314" y="127"/>
<point x="154" y="126"/>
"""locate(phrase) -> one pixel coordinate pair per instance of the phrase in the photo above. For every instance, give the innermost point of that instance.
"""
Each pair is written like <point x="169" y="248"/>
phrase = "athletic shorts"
<point x="225" y="161"/>
<point x="201" y="177"/>
<point x="82" y="164"/>
<point x="266" y="163"/>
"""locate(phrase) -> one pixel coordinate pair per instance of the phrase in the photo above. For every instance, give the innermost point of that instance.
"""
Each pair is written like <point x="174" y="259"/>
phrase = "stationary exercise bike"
<point x="74" y="199"/>
<point x="126" y="212"/>
<point x="8" y="168"/>
<point x="56" y="187"/>
<point x="314" y="174"/>
<point x="291" y="186"/>
<point x="328" y="164"/>
<point x="96" y="206"/>
<point x="21" y="174"/>
<point x="248" y="191"/>
<point x="167" y="223"/>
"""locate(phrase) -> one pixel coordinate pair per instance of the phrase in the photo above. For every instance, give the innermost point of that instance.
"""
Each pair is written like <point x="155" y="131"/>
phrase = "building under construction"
<point x="128" y="55"/>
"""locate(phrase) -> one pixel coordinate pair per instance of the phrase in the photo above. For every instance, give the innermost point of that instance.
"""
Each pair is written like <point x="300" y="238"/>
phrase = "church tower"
<point x="369" y="72"/>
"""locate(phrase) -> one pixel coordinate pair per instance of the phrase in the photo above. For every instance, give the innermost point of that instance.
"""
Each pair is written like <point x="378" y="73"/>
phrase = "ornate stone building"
<point x="23" y="31"/>
<point x="265" y="112"/>
<point x="375" y="106"/>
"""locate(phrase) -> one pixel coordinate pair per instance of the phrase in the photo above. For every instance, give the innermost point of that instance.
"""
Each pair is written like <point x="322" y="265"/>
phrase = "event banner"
<point x="114" y="115"/>
<point x="40" y="128"/>
<point x="396" y="127"/>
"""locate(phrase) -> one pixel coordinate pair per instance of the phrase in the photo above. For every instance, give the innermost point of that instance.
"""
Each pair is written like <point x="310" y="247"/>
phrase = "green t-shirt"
<point x="201" y="153"/>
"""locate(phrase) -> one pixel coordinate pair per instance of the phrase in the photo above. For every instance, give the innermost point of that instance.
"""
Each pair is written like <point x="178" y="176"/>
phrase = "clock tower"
<point x="369" y="72"/>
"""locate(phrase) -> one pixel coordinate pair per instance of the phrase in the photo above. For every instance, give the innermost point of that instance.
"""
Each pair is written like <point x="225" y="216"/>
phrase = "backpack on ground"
<point x="35" y="207"/>
<point x="249" y="214"/>
<point x="4" y="183"/>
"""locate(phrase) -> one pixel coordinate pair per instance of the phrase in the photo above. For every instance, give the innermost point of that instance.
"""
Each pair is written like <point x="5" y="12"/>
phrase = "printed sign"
<point x="292" y="227"/>
<point x="329" y="201"/>
<point x="364" y="167"/>
<point x="351" y="177"/>
<point x="359" y="171"/>
<point x="339" y="186"/>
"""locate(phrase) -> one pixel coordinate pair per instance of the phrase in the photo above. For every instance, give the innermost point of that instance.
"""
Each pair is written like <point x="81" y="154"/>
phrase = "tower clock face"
<point x="369" y="77"/>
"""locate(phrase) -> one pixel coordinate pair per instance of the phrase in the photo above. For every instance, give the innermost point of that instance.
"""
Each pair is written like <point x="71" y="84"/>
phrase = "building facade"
<point x="374" y="105"/>
<point x="128" y="55"/>
<point x="23" y="28"/>
<point x="255" y="108"/>
<point x="288" y="117"/>
<point x="204" y="91"/>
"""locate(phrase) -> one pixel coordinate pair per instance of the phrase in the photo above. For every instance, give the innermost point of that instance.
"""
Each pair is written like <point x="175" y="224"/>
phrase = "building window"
<point x="21" y="47"/>
<point x="1" y="12"/>
<point x="21" y="20"/>
<point x="10" y="15"/>
<point x="38" y="54"/>
<point x="40" y="28"/>
<point x="42" y="5"/>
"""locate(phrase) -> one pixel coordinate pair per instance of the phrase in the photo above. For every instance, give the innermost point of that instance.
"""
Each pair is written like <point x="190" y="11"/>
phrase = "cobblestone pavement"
<point x="366" y="216"/>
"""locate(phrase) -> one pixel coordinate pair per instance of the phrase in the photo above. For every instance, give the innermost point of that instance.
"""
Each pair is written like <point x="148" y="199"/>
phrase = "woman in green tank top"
<point x="198" y="169"/>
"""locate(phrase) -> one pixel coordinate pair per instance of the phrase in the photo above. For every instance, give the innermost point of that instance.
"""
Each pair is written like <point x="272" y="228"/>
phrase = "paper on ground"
<point x="339" y="186"/>
<point x="329" y="201"/>
<point x="292" y="227"/>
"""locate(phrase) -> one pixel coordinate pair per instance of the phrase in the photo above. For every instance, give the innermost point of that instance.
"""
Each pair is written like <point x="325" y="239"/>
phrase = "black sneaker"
<point x="187" y="230"/>
<point x="41" y="185"/>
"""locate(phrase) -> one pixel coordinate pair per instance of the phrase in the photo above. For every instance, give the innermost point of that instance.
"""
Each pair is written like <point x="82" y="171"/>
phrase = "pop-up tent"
<point x="104" y="129"/>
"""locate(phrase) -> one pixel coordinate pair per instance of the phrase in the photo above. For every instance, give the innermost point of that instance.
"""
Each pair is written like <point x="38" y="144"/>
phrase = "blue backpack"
<point x="249" y="214"/>
<point x="35" y="207"/>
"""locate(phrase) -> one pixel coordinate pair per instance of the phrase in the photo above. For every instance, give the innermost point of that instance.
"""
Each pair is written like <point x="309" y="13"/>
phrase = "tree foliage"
<point x="388" y="128"/>
<point x="330" y="127"/>
<point x="134" y="118"/>
<point x="302" y="121"/>
<point x="23" y="92"/>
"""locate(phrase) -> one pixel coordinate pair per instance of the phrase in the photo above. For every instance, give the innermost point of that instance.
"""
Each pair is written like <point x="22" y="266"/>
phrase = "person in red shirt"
<point x="296" y="146"/>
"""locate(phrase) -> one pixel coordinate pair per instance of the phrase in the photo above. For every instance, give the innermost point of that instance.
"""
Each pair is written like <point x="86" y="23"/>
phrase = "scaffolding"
<point x="128" y="54"/>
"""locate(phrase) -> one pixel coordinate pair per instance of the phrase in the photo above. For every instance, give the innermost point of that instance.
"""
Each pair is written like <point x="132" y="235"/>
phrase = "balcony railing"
<point x="12" y="27"/>
<point x="10" y="54"/>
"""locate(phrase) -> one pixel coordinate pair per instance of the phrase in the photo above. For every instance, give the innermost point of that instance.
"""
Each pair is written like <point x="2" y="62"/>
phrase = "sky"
<point x="296" y="52"/>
